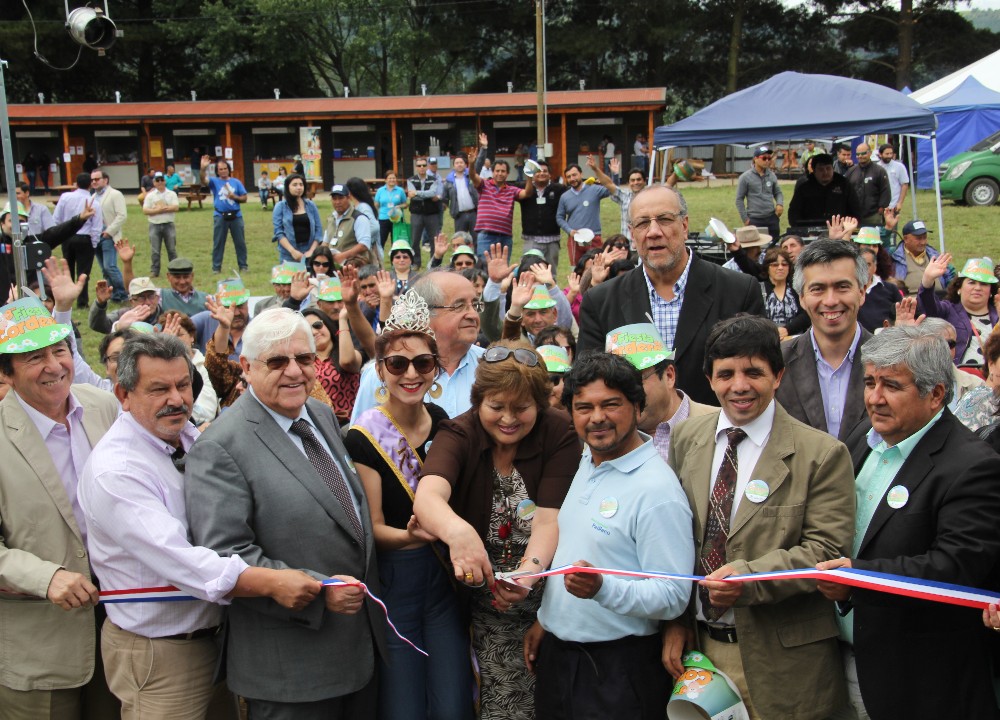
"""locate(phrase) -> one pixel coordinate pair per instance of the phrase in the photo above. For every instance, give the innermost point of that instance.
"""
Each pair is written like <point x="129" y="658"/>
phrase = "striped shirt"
<point x="667" y="313"/>
<point x="496" y="208"/>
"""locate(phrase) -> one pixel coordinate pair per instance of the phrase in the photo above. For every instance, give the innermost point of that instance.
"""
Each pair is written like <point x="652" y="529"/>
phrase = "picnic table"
<point x="193" y="195"/>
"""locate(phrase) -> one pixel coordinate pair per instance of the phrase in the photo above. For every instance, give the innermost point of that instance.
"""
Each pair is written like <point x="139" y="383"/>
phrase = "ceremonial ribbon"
<point x="169" y="593"/>
<point x="866" y="579"/>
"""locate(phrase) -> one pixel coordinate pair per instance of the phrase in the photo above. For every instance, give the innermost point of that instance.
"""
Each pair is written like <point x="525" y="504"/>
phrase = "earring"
<point x="381" y="395"/>
<point x="436" y="390"/>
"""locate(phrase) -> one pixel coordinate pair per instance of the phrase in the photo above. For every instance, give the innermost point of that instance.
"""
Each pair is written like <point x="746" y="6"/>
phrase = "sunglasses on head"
<point x="399" y="364"/>
<point x="522" y="355"/>
<point x="280" y="362"/>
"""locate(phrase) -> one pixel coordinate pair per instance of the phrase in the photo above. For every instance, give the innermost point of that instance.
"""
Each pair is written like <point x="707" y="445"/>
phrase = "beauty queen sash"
<point x="392" y="444"/>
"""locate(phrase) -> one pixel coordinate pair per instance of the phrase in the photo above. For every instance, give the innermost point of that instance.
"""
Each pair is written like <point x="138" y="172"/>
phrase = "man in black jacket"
<point x="684" y="295"/>
<point x="53" y="237"/>
<point x="821" y="196"/>
<point x="538" y="215"/>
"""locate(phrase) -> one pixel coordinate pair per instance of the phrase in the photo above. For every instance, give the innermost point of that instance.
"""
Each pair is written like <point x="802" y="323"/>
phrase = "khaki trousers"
<point x="726" y="657"/>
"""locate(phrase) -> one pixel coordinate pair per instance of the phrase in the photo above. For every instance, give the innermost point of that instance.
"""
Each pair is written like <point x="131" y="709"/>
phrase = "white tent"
<point x="986" y="71"/>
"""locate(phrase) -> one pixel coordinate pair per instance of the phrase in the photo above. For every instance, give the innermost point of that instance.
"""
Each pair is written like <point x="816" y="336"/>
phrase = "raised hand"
<point x="520" y="294"/>
<point x="88" y="211"/>
<point x="936" y="268"/>
<point x="440" y="245"/>
<point x="205" y="161"/>
<point x="300" y="286"/>
<point x="835" y="227"/>
<point x="386" y="285"/>
<point x="102" y="292"/>
<point x="543" y="273"/>
<point x="573" y="283"/>
<point x="906" y="311"/>
<point x="483" y="140"/>
<point x="126" y="250"/>
<point x="497" y="257"/>
<point x="220" y="313"/>
<point x="136" y="314"/>
<point x="850" y="225"/>
<point x="592" y="162"/>
<point x="349" y="289"/>
<point x="64" y="291"/>
<point x="615" y="165"/>
<point x="599" y="269"/>
<point x="172" y="324"/>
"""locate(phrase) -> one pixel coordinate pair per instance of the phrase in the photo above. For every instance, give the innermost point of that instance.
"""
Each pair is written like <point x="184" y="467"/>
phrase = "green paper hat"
<point x="540" y="299"/>
<point x="26" y="325"/>
<point x="556" y="358"/>
<point x="398" y="245"/>
<point x="20" y="210"/>
<point x="638" y="343"/>
<point x="329" y="290"/>
<point x="534" y="252"/>
<point x="868" y="236"/>
<point x="282" y="274"/>
<point x="143" y="328"/>
<point x="979" y="269"/>
<point x="462" y="250"/>
<point x="232" y="292"/>
<point x="704" y="692"/>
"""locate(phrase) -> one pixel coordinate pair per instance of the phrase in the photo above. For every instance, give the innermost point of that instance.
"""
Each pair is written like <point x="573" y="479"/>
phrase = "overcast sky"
<point x="974" y="5"/>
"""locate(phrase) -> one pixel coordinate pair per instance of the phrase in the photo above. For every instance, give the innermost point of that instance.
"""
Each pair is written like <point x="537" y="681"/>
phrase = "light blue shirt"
<point x="833" y="382"/>
<point x="629" y="513"/>
<point x="880" y="469"/>
<point x="455" y="388"/>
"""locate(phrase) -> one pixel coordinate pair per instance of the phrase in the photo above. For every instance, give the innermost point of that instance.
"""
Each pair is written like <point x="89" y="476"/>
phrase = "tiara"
<point x="410" y="313"/>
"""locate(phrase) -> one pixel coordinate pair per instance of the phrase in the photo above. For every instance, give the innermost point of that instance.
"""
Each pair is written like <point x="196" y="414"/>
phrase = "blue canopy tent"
<point x="967" y="113"/>
<point x="793" y="105"/>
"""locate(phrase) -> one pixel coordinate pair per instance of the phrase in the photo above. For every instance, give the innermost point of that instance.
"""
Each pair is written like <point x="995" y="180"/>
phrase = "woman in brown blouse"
<point x="490" y="489"/>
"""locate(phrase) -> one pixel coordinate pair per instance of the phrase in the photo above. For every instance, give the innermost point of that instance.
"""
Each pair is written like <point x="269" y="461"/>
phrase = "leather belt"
<point x="720" y="634"/>
<point x="196" y="635"/>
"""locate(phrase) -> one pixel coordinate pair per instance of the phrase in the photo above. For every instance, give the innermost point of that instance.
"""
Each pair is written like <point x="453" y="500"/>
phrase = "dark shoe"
<point x="216" y="271"/>
<point x="244" y="269"/>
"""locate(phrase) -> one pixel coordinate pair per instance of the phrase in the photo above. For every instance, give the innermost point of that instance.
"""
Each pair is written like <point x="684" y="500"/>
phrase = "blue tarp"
<point x="797" y="106"/>
<point x="966" y="115"/>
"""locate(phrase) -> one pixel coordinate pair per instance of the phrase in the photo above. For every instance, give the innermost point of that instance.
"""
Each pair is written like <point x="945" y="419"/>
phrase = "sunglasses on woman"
<point x="522" y="355"/>
<point x="316" y="324"/>
<point x="399" y="364"/>
<point x="321" y="263"/>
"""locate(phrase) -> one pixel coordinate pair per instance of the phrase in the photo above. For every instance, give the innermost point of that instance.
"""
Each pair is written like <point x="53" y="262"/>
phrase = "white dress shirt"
<point x="133" y="499"/>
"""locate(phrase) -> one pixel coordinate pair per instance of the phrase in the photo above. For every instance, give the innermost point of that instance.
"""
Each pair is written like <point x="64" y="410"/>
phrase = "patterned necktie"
<point x="328" y="470"/>
<point x="720" y="507"/>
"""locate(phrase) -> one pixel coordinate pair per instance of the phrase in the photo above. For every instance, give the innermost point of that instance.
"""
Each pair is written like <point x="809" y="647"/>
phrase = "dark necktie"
<point x="328" y="470"/>
<point x="720" y="507"/>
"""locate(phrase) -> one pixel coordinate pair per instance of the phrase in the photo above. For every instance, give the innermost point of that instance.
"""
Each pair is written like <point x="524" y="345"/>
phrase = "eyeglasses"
<point x="952" y="344"/>
<point x="641" y="225"/>
<point x="317" y="324"/>
<point x="157" y="179"/>
<point x="765" y="158"/>
<point x="421" y="164"/>
<point x="280" y="362"/>
<point x="321" y="263"/>
<point x="476" y="305"/>
<point x="521" y="355"/>
<point x="114" y="358"/>
<point x="399" y="364"/>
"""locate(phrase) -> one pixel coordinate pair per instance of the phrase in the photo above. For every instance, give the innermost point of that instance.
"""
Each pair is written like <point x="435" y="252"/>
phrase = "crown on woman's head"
<point x="411" y="313"/>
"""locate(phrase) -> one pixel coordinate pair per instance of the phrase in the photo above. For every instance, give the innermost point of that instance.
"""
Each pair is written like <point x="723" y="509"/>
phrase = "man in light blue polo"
<point x="625" y="510"/>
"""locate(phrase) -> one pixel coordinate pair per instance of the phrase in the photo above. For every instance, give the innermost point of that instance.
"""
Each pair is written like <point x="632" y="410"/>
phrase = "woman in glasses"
<point x="491" y="489"/>
<point x="321" y="261"/>
<point x="298" y="228"/>
<point x="338" y="364"/>
<point x="388" y="445"/>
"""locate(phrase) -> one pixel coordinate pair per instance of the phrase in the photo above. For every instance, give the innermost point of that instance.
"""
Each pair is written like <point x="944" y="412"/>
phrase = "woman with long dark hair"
<point x="298" y="228"/>
<point x="338" y="364"/>
<point x="364" y="203"/>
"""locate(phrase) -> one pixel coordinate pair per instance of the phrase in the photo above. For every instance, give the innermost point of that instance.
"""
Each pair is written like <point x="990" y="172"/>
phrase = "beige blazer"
<point x="42" y="646"/>
<point x="786" y="629"/>
<point x="114" y="212"/>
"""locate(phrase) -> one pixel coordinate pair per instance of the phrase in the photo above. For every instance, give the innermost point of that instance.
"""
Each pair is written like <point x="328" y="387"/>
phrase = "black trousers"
<point x="621" y="678"/>
<point x="79" y="254"/>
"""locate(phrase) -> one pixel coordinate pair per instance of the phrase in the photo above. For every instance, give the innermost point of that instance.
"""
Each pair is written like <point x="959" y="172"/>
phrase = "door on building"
<point x="155" y="155"/>
<point x="557" y="161"/>
<point x="75" y="165"/>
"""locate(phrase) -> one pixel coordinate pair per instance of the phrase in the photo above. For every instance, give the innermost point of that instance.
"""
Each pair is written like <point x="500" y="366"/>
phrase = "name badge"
<point x="340" y="233"/>
<point x="540" y="201"/>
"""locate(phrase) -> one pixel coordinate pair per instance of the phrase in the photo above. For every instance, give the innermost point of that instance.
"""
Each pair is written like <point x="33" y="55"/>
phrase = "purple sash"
<point x="386" y="437"/>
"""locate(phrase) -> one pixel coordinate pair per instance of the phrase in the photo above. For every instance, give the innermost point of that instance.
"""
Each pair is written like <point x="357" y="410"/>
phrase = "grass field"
<point x="969" y="232"/>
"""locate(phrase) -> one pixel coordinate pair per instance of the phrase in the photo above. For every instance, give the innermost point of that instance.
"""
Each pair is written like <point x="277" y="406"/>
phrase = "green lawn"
<point x="969" y="232"/>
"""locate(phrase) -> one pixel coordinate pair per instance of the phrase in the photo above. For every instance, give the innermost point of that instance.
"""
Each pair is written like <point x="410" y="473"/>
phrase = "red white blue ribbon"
<point x="166" y="593"/>
<point x="866" y="579"/>
<point x="334" y="582"/>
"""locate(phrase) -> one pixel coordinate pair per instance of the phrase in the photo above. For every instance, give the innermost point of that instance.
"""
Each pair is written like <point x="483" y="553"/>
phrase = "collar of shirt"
<point x="631" y="460"/>
<point x="679" y="286"/>
<point x="284" y="422"/>
<point x="905" y="446"/>
<point x="186" y="297"/>
<point x="848" y="359"/>
<point x="757" y="430"/>
<point x="875" y="281"/>
<point x="661" y="437"/>
<point x="44" y="423"/>
<point x="187" y="437"/>
<point x="919" y="259"/>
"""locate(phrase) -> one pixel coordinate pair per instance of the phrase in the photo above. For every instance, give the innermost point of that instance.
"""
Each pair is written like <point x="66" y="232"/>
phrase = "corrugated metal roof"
<point x="356" y="106"/>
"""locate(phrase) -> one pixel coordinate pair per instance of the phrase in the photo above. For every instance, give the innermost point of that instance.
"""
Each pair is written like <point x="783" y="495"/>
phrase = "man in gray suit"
<point x="271" y="481"/>
<point x="824" y="378"/>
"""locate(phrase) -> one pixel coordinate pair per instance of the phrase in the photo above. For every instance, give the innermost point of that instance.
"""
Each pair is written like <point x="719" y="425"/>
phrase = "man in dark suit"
<point x="823" y="375"/>
<point x="928" y="501"/>
<point x="684" y="294"/>
<point x="272" y="482"/>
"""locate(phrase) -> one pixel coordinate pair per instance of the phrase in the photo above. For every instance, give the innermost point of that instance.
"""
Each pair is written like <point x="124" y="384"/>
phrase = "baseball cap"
<point x="432" y="160"/>
<point x="915" y="227"/>
<point x="140" y="285"/>
<point x="157" y="174"/>
<point x="340" y="190"/>
<point x="762" y="150"/>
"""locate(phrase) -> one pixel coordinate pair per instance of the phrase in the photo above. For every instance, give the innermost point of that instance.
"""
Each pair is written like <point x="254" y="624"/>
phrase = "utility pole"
<point x="542" y="136"/>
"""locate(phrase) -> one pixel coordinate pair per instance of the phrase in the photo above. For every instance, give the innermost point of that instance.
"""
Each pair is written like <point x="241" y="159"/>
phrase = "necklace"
<point x="503" y="488"/>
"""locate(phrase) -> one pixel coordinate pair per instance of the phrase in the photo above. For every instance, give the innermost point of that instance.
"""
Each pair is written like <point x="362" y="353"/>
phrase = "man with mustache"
<point x="160" y="658"/>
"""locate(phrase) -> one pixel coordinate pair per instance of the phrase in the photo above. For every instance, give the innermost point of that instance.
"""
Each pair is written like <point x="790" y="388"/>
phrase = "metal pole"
<point x="540" y="135"/>
<point x="911" y="144"/>
<point x="20" y="273"/>
<point x="937" y="190"/>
